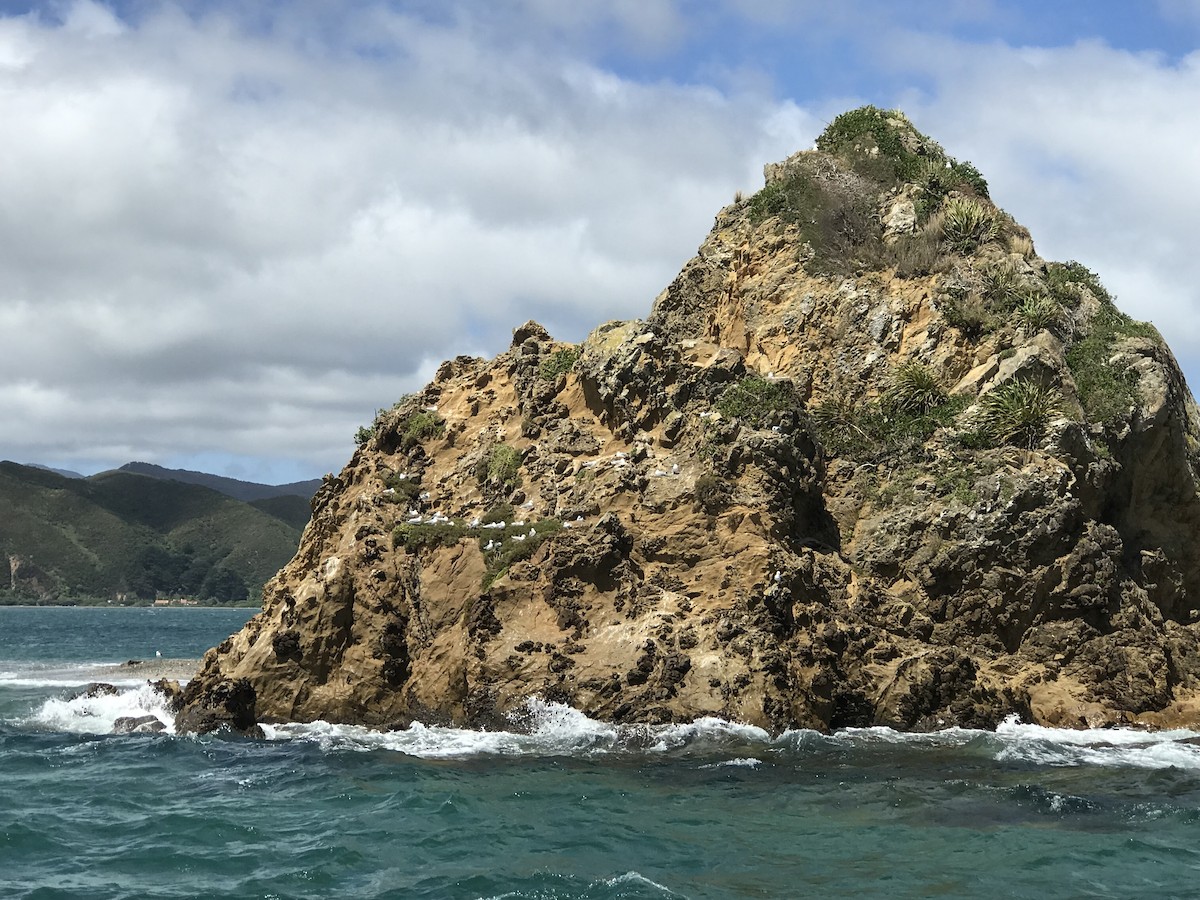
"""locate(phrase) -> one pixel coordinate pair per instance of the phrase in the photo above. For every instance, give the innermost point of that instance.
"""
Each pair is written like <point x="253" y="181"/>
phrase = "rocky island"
<point x="868" y="460"/>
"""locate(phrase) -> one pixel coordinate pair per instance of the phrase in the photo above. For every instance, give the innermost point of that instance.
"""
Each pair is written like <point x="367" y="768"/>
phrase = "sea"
<point x="558" y="805"/>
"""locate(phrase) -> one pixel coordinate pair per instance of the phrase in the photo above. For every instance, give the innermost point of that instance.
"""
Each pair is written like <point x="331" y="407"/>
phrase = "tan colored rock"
<point x="676" y="559"/>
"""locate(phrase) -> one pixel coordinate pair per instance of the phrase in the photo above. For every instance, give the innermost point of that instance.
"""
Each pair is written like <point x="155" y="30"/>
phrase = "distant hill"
<point x="66" y="473"/>
<point x="121" y="532"/>
<point x="291" y="509"/>
<point x="231" y="487"/>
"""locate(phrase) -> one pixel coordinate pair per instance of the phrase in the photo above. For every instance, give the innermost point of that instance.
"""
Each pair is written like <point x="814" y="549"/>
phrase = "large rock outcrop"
<point x="868" y="460"/>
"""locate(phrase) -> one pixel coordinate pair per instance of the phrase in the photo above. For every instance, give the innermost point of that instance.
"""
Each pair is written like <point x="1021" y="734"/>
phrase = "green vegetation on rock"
<point x="558" y="363"/>
<point x="966" y="224"/>
<point x="502" y="469"/>
<point x="914" y="406"/>
<point x="1107" y="388"/>
<point x="756" y="401"/>
<point x="883" y="145"/>
<point x="1015" y="413"/>
<point x="837" y="224"/>
<point x="915" y="390"/>
<point x="420" y="426"/>
<point x="514" y="544"/>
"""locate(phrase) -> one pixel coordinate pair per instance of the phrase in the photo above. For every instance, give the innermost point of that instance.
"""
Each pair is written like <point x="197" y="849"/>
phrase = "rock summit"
<point x="869" y="460"/>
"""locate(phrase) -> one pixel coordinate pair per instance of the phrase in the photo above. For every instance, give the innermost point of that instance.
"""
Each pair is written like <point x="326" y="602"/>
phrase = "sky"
<point x="229" y="231"/>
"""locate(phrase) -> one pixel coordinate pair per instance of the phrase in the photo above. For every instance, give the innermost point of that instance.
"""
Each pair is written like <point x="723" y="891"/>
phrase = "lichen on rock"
<point x="868" y="460"/>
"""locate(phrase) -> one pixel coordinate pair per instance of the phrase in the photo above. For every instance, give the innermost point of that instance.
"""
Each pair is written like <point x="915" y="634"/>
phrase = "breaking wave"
<point x="542" y="728"/>
<point x="97" y="713"/>
<point x="545" y="729"/>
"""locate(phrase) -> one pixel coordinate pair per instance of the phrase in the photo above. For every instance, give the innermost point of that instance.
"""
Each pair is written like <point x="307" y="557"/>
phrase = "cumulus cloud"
<point x="231" y="232"/>
<point x="226" y="238"/>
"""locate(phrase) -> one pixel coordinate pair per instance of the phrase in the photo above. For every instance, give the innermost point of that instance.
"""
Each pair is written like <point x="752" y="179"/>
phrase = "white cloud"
<point x="222" y="239"/>
<point x="229" y="238"/>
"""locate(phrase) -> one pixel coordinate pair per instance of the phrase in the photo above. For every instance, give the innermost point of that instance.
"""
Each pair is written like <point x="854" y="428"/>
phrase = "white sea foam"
<point x="63" y="680"/>
<point x="740" y="762"/>
<point x="97" y="714"/>
<point x="541" y="728"/>
<point x="634" y="880"/>
<point x="637" y="878"/>
<point x="1119" y="747"/>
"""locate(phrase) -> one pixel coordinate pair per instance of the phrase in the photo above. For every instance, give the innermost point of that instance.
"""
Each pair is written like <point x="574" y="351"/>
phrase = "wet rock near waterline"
<point x="148" y="724"/>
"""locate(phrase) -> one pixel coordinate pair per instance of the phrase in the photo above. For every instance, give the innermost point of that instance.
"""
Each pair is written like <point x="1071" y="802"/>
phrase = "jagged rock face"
<point x="719" y="511"/>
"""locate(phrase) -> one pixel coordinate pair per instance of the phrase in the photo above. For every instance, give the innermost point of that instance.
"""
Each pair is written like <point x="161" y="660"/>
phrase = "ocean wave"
<point x="541" y="728"/>
<point x="97" y="714"/>
<point x="627" y="886"/>
<point x="1121" y="747"/>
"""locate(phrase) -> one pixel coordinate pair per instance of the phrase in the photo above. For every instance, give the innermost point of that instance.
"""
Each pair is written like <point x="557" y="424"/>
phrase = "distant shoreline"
<point x="149" y="669"/>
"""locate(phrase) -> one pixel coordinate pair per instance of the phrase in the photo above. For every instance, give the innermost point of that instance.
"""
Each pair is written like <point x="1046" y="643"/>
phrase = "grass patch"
<point x="418" y="427"/>
<point x="969" y="313"/>
<point x="502" y="469"/>
<point x="1107" y="389"/>
<point x="501" y="512"/>
<point x="838" y="224"/>
<point x="867" y="431"/>
<point x="1035" y="312"/>
<point x="1066" y="281"/>
<point x="756" y="401"/>
<point x="884" y="146"/>
<point x="966" y="223"/>
<point x="915" y="390"/>
<point x="916" y="255"/>
<point x="514" y="544"/>
<point x="872" y="141"/>
<point x="510" y="544"/>
<point x="421" y="537"/>
<point x="404" y="490"/>
<point x="558" y="363"/>
<point x="1016" y="414"/>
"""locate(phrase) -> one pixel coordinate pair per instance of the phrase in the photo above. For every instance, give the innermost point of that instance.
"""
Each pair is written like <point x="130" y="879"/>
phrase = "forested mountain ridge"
<point x="248" y="491"/>
<point x="126" y="537"/>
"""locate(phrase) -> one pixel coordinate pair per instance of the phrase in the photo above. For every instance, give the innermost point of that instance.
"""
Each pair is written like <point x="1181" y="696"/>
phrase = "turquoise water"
<point x="561" y="806"/>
